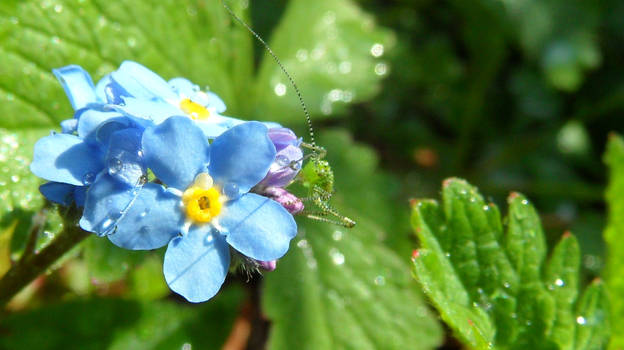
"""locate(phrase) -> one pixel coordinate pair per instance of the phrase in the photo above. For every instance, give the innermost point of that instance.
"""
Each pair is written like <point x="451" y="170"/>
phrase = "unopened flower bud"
<point x="268" y="265"/>
<point x="288" y="200"/>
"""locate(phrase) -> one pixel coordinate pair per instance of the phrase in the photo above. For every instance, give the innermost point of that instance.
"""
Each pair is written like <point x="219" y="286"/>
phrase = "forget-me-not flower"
<point x="205" y="208"/>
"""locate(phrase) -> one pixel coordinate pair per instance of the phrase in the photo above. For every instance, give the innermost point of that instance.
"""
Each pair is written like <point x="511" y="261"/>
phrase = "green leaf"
<point x="345" y="289"/>
<point x="493" y="285"/>
<point x="122" y="324"/>
<point x="593" y="325"/>
<point x="333" y="51"/>
<point x="613" y="235"/>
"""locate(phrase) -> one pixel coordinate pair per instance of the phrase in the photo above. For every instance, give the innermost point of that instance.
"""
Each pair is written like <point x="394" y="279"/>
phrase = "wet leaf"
<point x="333" y="50"/>
<point x="493" y="284"/>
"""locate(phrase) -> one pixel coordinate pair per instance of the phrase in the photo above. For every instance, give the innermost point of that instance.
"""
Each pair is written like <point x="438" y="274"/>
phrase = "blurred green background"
<point x="509" y="94"/>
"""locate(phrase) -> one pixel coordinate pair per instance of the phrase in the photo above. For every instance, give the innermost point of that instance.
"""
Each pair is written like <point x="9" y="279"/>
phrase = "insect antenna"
<point x="279" y="63"/>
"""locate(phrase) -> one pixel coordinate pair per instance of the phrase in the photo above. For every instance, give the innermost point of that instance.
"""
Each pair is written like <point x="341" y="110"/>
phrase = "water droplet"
<point x="581" y="320"/>
<point x="209" y="238"/>
<point x="302" y="244"/>
<point x="88" y="178"/>
<point x="336" y="256"/>
<point x="334" y="95"/>
<point x="337" y="235"/>
<point x="559" y="282"/>
<point x="231" y="190"/>
<point x="282" y="160"/>
<point x="525" y="202"/>
<point x="447" y="254"/>
<point x="528" y="322"/>
<point x="107" y="224"/>
<point x="15" y="178"/>
<point x="486" y="207"/>
<point x="302" y="55"/>
<point x="280" y="89"/>
<point x="381" y="69"/>
<point x="506" y="284"/>
<point x="114" y="166"/>
<point x="377" y="50"/>
<point x="344" y="67"/>
<point x="144" y="213"/>
<point x="58" y="8"/>
<point x="380" y="280"/>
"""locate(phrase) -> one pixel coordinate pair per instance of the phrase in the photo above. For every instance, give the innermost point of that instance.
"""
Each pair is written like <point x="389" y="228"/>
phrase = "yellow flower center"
<point x="194" y="110"/>
<point x="202" y="201"/>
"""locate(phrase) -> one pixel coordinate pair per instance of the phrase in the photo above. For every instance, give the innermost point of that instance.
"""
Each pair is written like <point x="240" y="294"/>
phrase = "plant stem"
<point x="32" y="265"/>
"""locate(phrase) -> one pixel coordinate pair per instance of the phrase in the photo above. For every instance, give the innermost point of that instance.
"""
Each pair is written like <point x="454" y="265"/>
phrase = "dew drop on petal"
<point x="231" y="190"/>
<point x="581" y="320"/>
<point x="559" y="282"/>
<point x="282" y="160"/>
<point x="88" y="178"/>
<point x="114" y="166"/>
<point x="209" y="238"/>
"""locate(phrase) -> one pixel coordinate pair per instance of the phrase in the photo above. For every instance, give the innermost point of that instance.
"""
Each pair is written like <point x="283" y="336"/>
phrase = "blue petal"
<point x="80" y="195"/>
<point x="242" y="156"/>
<point x="124" y="160"/>
<point x="58" y="192"/>
<point x="183" y="87"/>
<point x="110" y="91"/>
<point x="77" y="84"/>
<point x="196" y="264"/>
<point x="176" y="151"/>
<point x="216" y="125"/>
<point x="151" y="222"/>
<point x="215" y="102"/>
<point x="141" y="82"/>
<point x="258" y="227"/>
<point x="69" y="126"/>
<point x="65" y="158"/>
<point x="101" y="88"/>
<point x="106" y="202"/>
<point x="155" y="110"/>
<point x="90" y="120"/>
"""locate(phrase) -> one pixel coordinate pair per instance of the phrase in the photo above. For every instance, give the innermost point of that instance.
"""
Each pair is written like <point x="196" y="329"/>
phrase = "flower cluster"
<point x="155" y="163"/>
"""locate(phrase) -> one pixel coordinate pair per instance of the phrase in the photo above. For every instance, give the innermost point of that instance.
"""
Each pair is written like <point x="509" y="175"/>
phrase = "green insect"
<point x="316" y="176"/>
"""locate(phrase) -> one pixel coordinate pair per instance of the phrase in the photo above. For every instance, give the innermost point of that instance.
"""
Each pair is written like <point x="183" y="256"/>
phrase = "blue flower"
<point x="206" y="207"/>
<point x="139" y="92"/>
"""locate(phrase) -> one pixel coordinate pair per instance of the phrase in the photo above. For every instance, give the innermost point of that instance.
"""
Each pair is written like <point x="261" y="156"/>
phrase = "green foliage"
<point x="100" y="323"/>
<point x="614" y="233"/>
<point x="346" y="289"/>
<point x="332" y="49"/>
<point x="497" y="289"/>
